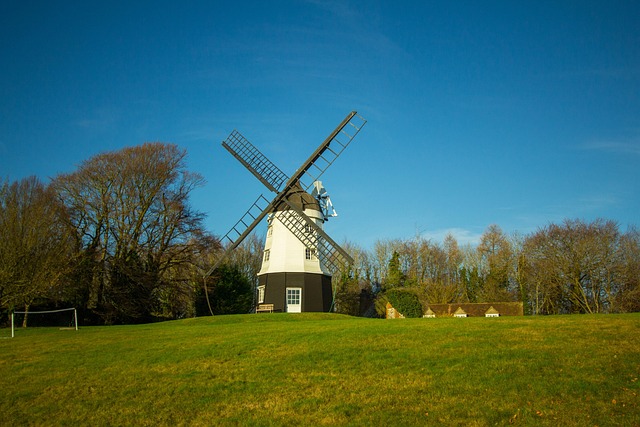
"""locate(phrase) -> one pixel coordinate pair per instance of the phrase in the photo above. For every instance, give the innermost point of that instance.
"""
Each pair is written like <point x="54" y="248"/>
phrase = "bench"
<point x="263" y="308"/>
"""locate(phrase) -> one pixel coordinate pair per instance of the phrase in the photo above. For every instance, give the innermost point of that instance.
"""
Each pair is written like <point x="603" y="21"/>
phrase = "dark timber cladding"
<point x="316" y="290"/>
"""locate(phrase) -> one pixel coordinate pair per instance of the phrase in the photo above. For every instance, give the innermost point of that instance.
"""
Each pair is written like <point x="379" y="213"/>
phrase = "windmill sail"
<point x="327" y="153"/>
<point x="268" y="173"/>
<point x="241" y="229"/>
<point x="329" y="252"/>
<point x="278" y="182"/>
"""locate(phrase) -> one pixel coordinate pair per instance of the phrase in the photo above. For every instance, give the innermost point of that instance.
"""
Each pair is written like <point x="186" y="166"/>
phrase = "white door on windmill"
<point x="294" y="300"/>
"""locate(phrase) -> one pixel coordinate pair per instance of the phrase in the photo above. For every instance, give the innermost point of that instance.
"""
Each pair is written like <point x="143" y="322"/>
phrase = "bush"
<point x="405" y="301"/>
<point x="347" y="296"/>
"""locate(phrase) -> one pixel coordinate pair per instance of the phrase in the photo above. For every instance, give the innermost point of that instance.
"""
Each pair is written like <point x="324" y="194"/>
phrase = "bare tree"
<point x="442" y="281"/>
<point x="248" y="257"/>
<point x="571" y="268"/>
<point x="34" y="245"/>
<point x="382" y="253"/>
<point x="627" y="292"/>
<point x="497" y="266"/>
<point x="364" y="265"/>
<point x="454" y="260"/>
<point x="134" y="226"/>
<point x="353" y="288"/>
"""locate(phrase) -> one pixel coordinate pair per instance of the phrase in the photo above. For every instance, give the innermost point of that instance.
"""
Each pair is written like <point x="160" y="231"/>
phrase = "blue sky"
<point x="510" y="113"/>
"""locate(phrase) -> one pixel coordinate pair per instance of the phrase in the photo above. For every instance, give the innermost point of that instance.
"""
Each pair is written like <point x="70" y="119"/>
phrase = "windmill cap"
<point x="300" y="199"/>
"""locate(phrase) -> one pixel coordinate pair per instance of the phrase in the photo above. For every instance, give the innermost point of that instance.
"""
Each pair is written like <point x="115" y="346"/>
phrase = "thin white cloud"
<point x="337" y="8"/>
<point x="631" y="146"/>
<point x="195" y="135"/>
<point x="462" y="236"/>
<point x="596" y="202"/>
<point x="581" y="206"/>
<point x="99" y="120"/>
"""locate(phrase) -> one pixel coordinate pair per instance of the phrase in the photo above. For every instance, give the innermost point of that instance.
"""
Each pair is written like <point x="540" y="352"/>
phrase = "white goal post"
<point x="75" y="316"/>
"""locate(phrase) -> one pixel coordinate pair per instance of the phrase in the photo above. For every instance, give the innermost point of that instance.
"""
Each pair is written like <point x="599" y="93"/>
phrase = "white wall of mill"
<point x="286" y="251"/>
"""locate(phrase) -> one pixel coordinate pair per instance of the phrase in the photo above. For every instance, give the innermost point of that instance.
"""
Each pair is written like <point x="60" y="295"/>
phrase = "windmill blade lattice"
<point x="254" y="214"/>
<point x="327" y="153"/>
<point x="278" y="182"/>
<point x="261" y="167"/>
<point x="241" y="229"/>
<point x="312" y="236"/>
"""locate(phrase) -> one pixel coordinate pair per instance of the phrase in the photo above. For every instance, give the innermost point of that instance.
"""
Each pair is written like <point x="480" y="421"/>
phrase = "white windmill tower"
<point x="299" y="255"/>
<point x="289" y="266"/>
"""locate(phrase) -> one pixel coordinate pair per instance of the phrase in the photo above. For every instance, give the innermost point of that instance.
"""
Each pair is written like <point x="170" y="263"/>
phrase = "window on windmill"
<point x="270" y="230"/>
<point x="308" y="229"/>
<point x="260" y="294"/>
<point x="267" y="252"/>
<point x="309" y="253"/>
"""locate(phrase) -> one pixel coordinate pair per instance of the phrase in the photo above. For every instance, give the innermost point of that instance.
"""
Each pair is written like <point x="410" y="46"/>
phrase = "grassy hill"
<point x="324" y="369"/>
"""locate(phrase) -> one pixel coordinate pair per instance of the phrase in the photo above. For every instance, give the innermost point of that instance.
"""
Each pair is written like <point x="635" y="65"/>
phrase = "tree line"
<point x="119" y="240"/>
<point x="572" y="267"/>
<point x="116" y="239"/>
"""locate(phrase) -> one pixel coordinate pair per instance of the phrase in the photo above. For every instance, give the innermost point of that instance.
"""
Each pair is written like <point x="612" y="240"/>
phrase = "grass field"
<point x="324" y="369"/>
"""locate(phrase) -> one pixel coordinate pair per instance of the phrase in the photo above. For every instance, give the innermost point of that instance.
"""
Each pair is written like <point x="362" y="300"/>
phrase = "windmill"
<point x="299" y="255"/>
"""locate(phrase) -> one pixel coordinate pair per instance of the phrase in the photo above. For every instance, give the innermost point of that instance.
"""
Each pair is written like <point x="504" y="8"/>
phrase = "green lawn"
<point x="323" y="369"/>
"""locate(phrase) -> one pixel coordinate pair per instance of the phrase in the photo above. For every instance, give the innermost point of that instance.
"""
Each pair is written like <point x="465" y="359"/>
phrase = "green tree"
<point x="347" y="294"/>
<point x="248" y="257"/>
<point x="395" y="276"/>
<point x="230" y="291"/>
